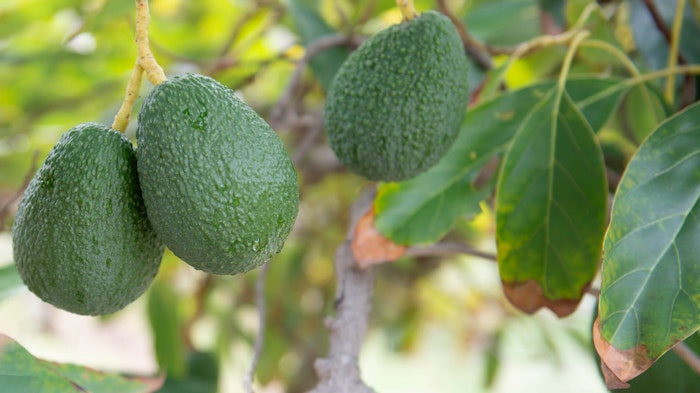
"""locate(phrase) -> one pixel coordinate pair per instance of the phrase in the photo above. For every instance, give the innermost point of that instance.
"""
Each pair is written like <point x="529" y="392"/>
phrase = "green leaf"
<point x="311" y="26"/>
<point x="21" y="372"/>
<point x="10" y="282"/>
<point x="550" y="208"/>
<point x="596" y="98"/>
<point x="651" y="271"/>
<point x="423" y="209"/>
<point x="202" y="375"/>
<point x="167" y="331"/>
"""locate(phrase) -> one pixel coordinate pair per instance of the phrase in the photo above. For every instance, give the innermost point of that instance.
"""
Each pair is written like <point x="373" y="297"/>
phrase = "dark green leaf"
<point x="550" y="208"/>
<point x="21" y="372"/>
<point x="311" y="26"/>
<point x="651" y="272"/>
<point x="596" y="98"/>
<point x="10" y="282"/>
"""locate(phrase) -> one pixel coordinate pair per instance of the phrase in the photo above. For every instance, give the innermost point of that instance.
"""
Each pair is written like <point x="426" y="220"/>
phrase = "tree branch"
<point x="339" y="372"/>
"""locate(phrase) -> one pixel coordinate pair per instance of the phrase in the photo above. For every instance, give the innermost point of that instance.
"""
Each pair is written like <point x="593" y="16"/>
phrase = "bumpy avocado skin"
<point x="81" y="237"/>
<point x="395" y="106"/>
<point x="219" y="187"/>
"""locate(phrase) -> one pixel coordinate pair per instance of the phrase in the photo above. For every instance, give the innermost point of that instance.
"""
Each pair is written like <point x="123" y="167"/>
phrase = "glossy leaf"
<point x="10" y="282"/>
<point x="311" y="26"/>
<point x="423" y="209"/>
<point x="550" y="208"/>
<point x="20" y="372"/>
<point x="651" y="271"/>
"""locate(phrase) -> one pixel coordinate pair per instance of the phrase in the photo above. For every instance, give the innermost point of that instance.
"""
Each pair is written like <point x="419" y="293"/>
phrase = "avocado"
<point x="219" y="187"/>
<point x="81" y="238"/>
<point x="395" y="106"/>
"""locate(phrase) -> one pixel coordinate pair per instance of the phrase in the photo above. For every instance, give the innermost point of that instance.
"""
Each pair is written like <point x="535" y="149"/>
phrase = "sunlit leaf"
<point x="651" y="273"/>
<point x="20" y="372"/>
<point x="423" y="209"/>
<point x="550" y="208"/>
<point x="10" y="282"/>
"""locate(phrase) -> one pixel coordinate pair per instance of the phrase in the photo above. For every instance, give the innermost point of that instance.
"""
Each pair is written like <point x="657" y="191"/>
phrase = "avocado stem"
<point x="154" y="72"/>
<point x="408" y="9"/>
<point x="121" y="120"/>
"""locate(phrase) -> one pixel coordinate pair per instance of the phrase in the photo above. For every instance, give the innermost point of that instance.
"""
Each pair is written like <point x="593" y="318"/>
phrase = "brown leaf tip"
<point x="619" y="366"/>
<point x="370" y="247"/>
<point x="529" y="297"/>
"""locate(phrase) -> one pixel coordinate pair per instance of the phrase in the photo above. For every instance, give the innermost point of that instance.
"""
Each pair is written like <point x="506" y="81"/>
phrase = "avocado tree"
<point x="556" y="140"/>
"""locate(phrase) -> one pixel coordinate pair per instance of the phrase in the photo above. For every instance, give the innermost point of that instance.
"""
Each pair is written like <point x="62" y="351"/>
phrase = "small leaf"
<point x="650" y="293"/>
<point x="21" y="372"/>
<point x="311" y="26"/>
<point x="369" y="246"/>
<point x="10" y="282"/>
<point x="550" y="208"/>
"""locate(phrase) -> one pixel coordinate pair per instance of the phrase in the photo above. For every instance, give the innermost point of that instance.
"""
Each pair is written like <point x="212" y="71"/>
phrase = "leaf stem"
<point x="674" y="48"/>
<point x="613" y="50"/>
<point x="154" y="72"/>
<point x="408" y="9"/>
<point x="568" y="59"/>
<point x="121" y="120"/>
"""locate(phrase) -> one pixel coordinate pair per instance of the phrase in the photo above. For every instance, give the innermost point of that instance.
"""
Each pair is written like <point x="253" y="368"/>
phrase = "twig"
<point x="323" y="43"/>
<point x="474" y="48"/>
<point x="688" y="355"/>
<point x="443" y="249"/>
<point x="340" y="371"/>
<point x="688" y="94"/>
<point x="154" y="72"/>
<point x="5" y="209"/>
<point x="121" y="120"/>
<point x="260" y="337"/>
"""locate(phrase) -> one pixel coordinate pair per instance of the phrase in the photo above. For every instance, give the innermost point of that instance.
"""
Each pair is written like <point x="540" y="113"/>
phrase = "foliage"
<point x="574" y="104"/>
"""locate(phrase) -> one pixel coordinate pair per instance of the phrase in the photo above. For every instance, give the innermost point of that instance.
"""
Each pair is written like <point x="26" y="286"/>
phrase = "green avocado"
<point x="395" y="106"/>
<point x="219" y="187"/>
<point x="81" y="238"/>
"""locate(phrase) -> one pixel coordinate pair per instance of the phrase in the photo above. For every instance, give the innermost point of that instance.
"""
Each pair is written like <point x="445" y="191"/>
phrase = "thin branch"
<point x="340" y="371"/>
<point x="260" y="337"/>
<point x="323" y="43"/>
<point x="478" y="51"/>
<point x="444" y="249"/>
<point x="688" y="355"/>
<point x="688" y="94"/>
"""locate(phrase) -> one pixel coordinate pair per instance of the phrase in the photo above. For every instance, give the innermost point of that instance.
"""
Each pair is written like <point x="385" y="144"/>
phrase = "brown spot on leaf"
<point x="371" y="247"/>
<point x="529" y="297"/>
<point x="619" y="366"/>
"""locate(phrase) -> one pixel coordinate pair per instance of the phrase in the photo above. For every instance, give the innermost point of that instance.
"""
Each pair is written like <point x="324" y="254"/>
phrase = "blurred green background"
<point x="439" y="325"/>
